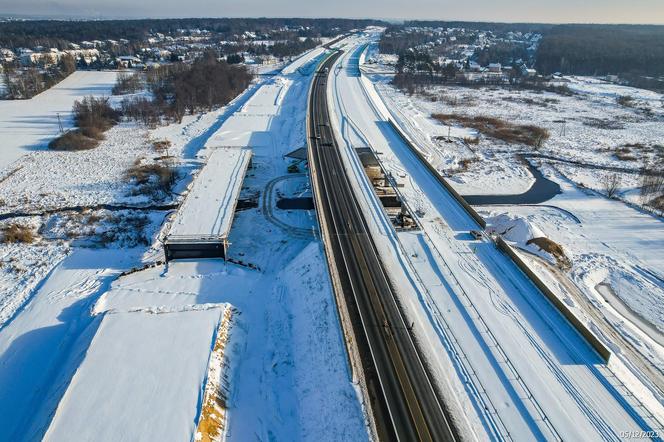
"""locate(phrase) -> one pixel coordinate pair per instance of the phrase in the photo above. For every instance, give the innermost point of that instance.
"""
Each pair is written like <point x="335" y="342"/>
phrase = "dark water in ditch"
<point x="306" y="203"/>
<point x="542" y="190"/>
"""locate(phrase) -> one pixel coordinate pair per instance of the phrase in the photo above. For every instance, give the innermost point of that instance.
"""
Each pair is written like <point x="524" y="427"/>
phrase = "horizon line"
<point x="54" y="17"/>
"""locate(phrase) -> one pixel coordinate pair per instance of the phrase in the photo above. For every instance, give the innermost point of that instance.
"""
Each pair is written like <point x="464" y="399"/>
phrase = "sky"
<point x="545" y="11"/>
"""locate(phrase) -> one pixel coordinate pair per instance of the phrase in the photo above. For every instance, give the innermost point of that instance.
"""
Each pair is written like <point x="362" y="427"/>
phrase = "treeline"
<point x="177" y="89"/>
<point x="602" y="49"/>
<point x="416" y="70"/>
<point x="496" y="27"/>
<point x="289" y="48"/>
<point x="506" y="53"/>
<point x="395" y="41"/>
<point x="23" y="84"/>
<point x="181" y="88"/>
<point x="57" y="33"/>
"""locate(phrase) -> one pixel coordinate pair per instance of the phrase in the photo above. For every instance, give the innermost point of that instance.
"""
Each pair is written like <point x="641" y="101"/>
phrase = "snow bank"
<point x="42" y="346"/>
<point x="328" y="406"/>
<point x="136" y="364"/>
<point x="303" y="60"/>
<point x="22" y="267"/>
<point x="519" y="230"/>
<point x="512" y="228"/>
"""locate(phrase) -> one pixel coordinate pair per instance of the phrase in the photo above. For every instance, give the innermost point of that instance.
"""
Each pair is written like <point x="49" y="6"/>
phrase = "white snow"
<point x="606" y="240"/>
<point x="141" y="378"/>
<point x="615" y="248"/>
<point x="55" y="179"/>
<point x="46" y="296"/>
<point x="522" y="367"/>
<point x="304" y="61"/>
<point x="597" y="87"/>
<point x="517" y="230"/>
<point x="582" y="137"/>
<point x="23" y="267"/>
<point x="42" y="346"/>
<point x="209" y="206"/>
<point x="148" y="337"/>
<point x="28" y="125"/>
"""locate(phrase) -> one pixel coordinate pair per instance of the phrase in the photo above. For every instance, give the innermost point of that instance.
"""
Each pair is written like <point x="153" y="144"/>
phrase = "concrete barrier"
<point x="468" y="208"/>
<point x="580" y="327"/>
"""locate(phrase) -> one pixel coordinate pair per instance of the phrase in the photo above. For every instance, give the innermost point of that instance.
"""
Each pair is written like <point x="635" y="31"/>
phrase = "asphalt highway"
<point x="405" y="404"/>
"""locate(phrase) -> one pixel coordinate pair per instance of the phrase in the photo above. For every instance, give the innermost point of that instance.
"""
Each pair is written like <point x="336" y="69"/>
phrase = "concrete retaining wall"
<point x="589" y="336"/>
<point x="472" y="212"/>
<point x="580" y="327"/>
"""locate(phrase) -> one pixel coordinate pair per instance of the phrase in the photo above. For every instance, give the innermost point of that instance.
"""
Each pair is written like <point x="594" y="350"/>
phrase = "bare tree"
<point x="611" y="183"/>
<point x="651" y="183"/>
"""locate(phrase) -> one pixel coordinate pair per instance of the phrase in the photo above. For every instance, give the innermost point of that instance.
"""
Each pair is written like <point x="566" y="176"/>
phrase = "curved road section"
<point x="402" y="399"/>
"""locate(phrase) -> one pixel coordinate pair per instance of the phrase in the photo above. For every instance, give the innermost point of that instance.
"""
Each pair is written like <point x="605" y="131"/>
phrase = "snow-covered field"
<point x="96" y="333"/>
<point x="470" y="302"/>
<point x="42" y="346"/>
<point x="615" y="249"/>
<point x="619" y="244"/>
<point x="29" y="182"/>
<point x="28" y="125"/>
<point x="589" y="127"/>
<point x="88" y="350"/>
<point x="125" y="369"/>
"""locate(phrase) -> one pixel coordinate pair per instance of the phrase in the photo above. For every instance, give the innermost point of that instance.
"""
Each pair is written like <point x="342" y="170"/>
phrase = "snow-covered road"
<point x="95" y="355"/>
<point x="521" y="367"/>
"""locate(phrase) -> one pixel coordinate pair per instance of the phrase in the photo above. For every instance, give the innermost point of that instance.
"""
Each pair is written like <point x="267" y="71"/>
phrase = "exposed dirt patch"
<point x="212" y="422"/>
<point x="17" y="233"/>
<point x="527" y="134"/>
<point x="552" y="248"/>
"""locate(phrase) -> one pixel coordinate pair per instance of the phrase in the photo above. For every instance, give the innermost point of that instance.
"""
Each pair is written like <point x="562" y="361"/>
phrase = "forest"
<point x="57" y="33"/>
<point x="497" y="28"/>
<point x="181" y="88"/>
<point x="602" y="49"/>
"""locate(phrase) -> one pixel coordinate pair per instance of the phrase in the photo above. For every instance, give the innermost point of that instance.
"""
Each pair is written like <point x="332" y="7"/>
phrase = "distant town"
<point x="221" y="229"/>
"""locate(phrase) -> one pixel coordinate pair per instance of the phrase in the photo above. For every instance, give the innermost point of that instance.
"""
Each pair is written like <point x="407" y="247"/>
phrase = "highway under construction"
<point x="403" y="400"/>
